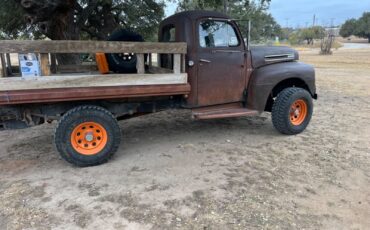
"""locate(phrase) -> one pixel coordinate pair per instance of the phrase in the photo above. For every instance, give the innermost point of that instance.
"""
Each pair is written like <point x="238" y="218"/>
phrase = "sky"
<point x="299" y="13"/>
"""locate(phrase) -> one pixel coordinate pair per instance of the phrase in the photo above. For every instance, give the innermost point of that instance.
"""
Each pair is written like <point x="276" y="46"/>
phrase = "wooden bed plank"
<point x="90" y="93"/>
<point x="75" y="81"/>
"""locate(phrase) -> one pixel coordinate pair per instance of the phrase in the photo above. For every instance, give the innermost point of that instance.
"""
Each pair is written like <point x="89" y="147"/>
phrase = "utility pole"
<point x="314" y="20"/>
<point x="332" y="27"/>
<point x="225" y="6"/>
<point x="287" y="22"/>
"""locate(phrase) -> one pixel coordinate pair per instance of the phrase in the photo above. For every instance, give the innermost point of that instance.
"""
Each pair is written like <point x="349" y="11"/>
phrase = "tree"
<point x="312" y="33"/>
<point x="201" y="5"/>
<point x="263" y="24"/>
<point x="348" y="28"/>
<point x="12" y="25"/>
<point x="360" y="27"/>
<point x="363" y="26"/>
<point x="78" y="19"/>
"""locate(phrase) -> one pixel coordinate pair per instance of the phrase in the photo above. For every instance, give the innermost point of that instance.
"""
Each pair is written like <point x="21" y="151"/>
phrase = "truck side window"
<point x="213" y="34"/>
<point x="168" y="35"/>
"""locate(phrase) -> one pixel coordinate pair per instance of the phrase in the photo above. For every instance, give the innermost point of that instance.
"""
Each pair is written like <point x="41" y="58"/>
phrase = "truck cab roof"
<point x="195" y="14"/>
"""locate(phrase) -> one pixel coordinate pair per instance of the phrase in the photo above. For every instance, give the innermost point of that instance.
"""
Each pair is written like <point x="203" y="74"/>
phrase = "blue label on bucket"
<point x="26" y="69"/>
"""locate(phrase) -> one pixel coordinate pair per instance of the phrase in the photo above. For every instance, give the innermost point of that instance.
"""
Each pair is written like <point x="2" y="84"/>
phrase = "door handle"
<point x="205" y="60"/>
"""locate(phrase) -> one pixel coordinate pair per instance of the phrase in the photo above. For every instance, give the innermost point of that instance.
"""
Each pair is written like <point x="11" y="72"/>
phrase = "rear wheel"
<point x="87" y="136"/>
<point x="292" y="111"/>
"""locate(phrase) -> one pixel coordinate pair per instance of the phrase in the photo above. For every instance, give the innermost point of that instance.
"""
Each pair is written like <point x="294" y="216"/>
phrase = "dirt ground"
<point x="171" y="172"/>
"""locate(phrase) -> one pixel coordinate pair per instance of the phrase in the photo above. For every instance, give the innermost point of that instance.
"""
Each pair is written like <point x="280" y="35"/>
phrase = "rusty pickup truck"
<point x="203" y="64"/>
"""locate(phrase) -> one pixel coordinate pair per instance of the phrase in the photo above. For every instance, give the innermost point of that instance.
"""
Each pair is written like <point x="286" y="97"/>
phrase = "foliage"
<point x="264" y="25"/>
<point x="294" y="39"/>
<point x="363" y="27"/>
<point x="78" y="19"/>
<point x="312" y="33"/>
<point x="200" y="5"/>
<point x="308" y="35"/>
<point x="285" y="33"/>
<point x="11" y="24"/>
<point x="96" y="19"/>
<point x="348" y="28"/>
<point x="359" y="27"/>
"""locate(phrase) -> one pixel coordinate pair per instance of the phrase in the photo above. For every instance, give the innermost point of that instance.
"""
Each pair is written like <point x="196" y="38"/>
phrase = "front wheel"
<point x="87" y="136"/>
<point x="292" y="111"/>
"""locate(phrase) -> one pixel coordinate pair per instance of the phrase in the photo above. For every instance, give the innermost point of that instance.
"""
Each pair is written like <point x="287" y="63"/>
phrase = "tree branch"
<point x="85" y="13"/>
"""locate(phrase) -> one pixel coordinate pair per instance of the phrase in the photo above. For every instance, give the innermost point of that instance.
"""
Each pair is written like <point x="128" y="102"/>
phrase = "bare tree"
<point x="327" y="44"/>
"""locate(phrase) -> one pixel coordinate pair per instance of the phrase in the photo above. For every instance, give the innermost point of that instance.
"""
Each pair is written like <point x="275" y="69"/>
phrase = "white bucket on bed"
<point x="29" y="65"/>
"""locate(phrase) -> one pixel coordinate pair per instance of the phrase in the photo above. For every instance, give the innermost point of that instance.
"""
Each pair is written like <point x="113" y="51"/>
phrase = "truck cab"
<point x="223" y="71"/>
<point x="216" y="60"/>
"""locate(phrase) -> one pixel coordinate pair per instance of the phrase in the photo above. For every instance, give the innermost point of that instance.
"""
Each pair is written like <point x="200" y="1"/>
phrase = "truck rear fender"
<point x="268" y="81"/>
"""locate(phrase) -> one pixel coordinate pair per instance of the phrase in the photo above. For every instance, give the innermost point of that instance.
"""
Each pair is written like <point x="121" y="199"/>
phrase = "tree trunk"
<point x="55" y="19"/>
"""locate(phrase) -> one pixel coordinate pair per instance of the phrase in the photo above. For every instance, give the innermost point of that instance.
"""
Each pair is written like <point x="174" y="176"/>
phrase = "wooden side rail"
<point x="7" y="46"/>
<point x="44" y="48"/>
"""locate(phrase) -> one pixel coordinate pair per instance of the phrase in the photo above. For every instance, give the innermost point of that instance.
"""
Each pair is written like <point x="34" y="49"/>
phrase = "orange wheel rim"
<point x="89" y="138"/>
<point x="298" y="112"/>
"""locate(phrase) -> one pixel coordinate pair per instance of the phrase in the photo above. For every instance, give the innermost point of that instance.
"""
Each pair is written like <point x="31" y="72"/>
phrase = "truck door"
<point x="221" y="63"/>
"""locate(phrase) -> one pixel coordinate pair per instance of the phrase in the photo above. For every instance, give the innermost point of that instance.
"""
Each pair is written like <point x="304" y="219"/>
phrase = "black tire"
<point x="78" y="116"/>
<point x="282" y="115"/>
<point x="123" y="63"/>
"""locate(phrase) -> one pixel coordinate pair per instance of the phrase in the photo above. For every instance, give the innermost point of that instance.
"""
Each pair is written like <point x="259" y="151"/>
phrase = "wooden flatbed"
<point x="93" y="86"/>
<point x="89" y="93"/>
<point x="90" y="87"/>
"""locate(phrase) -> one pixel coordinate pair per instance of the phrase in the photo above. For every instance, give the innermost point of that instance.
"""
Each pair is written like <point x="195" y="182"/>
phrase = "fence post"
<point x="53" y="63"/>
<point x="45" y="67"/>
<point x="9" y="64"/>
<point x="4" y="72"/>
<point x="140" y="64"/>
<point x="177" y="63"/>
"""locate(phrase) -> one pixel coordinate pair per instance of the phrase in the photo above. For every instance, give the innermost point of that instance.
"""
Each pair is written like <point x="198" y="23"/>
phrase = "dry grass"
<point x="348" y="58"/>
<point x="346" y="71"/>
<point x="175" y="173"/>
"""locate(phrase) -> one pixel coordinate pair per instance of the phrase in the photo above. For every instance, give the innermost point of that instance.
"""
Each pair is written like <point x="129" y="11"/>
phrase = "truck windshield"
<point x="217" y="34"/>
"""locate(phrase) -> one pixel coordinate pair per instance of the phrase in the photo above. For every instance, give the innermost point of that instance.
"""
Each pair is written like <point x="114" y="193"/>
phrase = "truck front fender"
<point x="268" y="81"/>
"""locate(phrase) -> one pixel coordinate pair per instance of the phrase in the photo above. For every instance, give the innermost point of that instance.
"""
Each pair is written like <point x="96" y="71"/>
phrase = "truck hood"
<point x="267" y="55"/>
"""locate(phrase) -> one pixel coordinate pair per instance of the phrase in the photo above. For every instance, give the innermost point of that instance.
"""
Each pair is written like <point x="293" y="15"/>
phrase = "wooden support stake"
<point x="177" y="63"/>
<point x="9" y="64"/>
<point x="183" y="63"/>
<point x="53" y="63"/>
<point x="150" y="60"/>
<point x="4" y="72"/>
<point x="45" y="67"/>
<point x="159" y="60"/>
<point x="140" y="64"/>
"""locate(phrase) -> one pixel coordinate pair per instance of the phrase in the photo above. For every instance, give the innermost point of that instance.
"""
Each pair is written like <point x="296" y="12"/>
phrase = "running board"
<point x="205" y="114"/>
